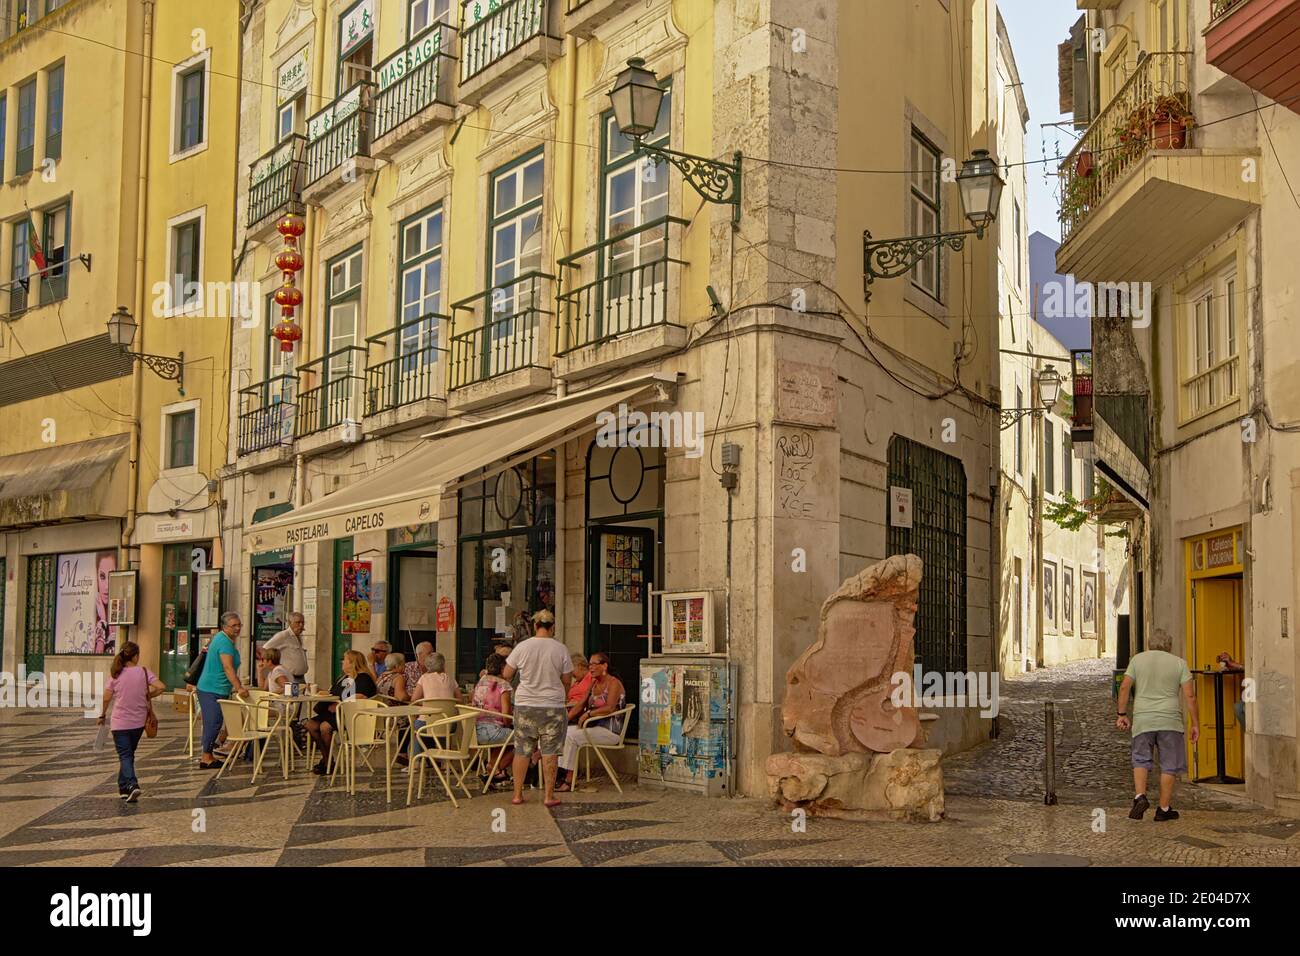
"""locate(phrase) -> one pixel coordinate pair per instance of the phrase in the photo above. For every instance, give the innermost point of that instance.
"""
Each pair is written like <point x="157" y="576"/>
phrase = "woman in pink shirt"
<point x="434" y="685"/>
<point x="129" y="689"/>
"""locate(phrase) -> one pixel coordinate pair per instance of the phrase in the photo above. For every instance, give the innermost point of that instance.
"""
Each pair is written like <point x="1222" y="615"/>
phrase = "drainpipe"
<point x="141" y="227"/>
<point x="567" y="135"/>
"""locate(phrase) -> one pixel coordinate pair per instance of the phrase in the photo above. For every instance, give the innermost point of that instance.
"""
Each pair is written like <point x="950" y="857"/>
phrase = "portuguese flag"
<point x="34" y="243"/>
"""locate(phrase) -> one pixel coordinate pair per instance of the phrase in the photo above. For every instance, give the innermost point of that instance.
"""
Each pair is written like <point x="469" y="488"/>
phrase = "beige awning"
<point x="82" y="480"/>
<point x="407" y="491"/>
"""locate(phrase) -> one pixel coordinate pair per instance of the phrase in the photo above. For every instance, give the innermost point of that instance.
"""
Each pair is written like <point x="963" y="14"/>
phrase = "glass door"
<point x="620" y="562"/>
<point x="179" y="643"/>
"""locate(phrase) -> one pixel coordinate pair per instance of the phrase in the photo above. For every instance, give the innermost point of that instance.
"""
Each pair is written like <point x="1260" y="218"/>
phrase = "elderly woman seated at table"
<point x="392" y="682"/>
<point x="605" y="697"/>
<point x="324" y="725"/>
<point x="274" y="674"/>
<point x="434" y="685"/>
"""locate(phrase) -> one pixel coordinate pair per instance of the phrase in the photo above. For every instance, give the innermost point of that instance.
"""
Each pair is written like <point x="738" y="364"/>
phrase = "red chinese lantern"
<point x="287" y="332"/>
<point x="289" y="261"/>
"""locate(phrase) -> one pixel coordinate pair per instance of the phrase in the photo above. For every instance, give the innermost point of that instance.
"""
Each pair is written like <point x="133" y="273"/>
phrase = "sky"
<point x="1036" y="27"/>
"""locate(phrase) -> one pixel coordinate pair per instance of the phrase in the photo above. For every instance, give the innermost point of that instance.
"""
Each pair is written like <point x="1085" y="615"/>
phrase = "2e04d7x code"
<point x="1237" y="897"/>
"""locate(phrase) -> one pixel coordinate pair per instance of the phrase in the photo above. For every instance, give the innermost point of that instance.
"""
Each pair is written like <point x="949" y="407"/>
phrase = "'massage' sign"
<point x="419" y="52"/>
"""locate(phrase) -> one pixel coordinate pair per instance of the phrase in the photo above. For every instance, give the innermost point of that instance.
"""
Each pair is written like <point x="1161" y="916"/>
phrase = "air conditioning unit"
<point x="354" y="73"/>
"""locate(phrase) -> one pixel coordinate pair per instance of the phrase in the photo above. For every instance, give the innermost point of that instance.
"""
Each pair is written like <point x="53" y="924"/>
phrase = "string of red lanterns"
<point x="289" y="261"/>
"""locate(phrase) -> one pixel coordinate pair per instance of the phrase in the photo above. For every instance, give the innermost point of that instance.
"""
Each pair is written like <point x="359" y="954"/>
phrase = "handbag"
<point x="150" y="718"/>
<point x="196" y="669"/>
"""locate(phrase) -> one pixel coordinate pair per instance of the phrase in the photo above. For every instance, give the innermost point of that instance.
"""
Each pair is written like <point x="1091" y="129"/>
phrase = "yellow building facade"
<point x="492" y="274"/>
<point x="119" y="144"/>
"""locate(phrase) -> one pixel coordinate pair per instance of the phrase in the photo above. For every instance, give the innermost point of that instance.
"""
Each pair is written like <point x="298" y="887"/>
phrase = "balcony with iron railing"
<point x="329" y="396"/>
<point x="1138" y="199"/>
<point x="1081" y="377"/>
<point x="498" y="348"/>
<point x="338" y="142"/>
<point x="267" y="411"/>
<point x="617" y="302"/>
<point x="415" y="89"/>
<point x="499" y="39"/>
<point x="275" y="182"/>
<point x="406" y="387"/>
<point x="1258" y="43"/>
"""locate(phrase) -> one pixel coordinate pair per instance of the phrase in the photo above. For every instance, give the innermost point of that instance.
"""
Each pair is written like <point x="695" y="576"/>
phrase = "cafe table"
<point x="286" y="727"/>
<point x="390" y="715"/>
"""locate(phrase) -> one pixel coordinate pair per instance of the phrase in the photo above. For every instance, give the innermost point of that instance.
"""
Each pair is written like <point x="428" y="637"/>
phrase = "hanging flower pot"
<point x="1084" y="164"/>
<point x="1168" y="133"/>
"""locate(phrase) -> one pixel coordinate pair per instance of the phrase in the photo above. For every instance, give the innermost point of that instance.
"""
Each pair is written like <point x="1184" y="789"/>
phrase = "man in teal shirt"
<point x="220" y="678"/>
<point x="1157" y="721"/>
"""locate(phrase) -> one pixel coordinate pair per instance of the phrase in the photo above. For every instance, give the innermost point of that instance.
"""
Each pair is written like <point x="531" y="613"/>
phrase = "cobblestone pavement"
<point x="1092" y="755"/>
<point x="59" y="807"/>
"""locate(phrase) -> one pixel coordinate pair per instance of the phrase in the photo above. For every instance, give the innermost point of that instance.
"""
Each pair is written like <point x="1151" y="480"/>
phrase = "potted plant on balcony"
<point x="1084" y="164"/>
<point x="1170" y="121"/>
<point x="1078" y="196"/>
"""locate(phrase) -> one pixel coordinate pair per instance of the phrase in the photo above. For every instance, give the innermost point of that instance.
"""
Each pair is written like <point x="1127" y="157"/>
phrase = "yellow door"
<point x="1216" y="604"/>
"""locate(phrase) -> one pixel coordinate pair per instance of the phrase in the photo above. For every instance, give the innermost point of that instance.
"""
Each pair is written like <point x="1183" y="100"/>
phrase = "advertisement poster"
<point x="695" y="703"/>
<point x="81" y="609"/>
<point x="208" y="612"/>
<point x="446" y="614"/>
<point x="355" y="617"/>
<point x="271" y="601"/>
<point x="624" y="570"/>
<point x="1067" y="599"/>
<point x="121" y="597"/>
<point x="1088" y="604"/>
<point x="687" y="623"/>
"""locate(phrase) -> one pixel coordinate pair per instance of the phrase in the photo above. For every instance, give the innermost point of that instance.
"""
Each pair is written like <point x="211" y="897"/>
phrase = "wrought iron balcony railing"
<point x="275" y="181"/>
<point x="492" y="28"/>
<point x="414" y="78"/>
<point x="411" y="374"/>
<point x="628" y="289"/>
<point x="266" y="413"/>
<point x="1150" y="111"/>
<point x="337" y="398"/>
<point x="340" y="132"/>
<point x="507" y="328"/>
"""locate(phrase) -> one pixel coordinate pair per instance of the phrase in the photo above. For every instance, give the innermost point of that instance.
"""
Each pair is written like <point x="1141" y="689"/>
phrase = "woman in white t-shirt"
<point x="274" y="674"/>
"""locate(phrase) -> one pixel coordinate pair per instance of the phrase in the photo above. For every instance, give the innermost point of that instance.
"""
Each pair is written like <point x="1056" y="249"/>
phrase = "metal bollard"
<point x="1049" y="765"/>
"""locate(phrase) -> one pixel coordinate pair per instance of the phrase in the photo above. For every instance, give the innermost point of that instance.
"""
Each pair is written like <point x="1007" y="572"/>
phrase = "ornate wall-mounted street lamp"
<point x="637" y="97"/>
<point x="1049" y="390"/>
<point x="121" y="332"/>
<point x="980" y="188"/>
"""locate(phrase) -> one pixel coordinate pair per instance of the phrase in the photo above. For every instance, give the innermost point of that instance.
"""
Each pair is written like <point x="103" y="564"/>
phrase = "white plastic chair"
<point x="437" y="738"/>
<point x="274" y="727"/>
<point x="359" y="727"/>
<point x="240" y="721"/>
<point x="479" y="750"/>
<point x="588" y="746"/>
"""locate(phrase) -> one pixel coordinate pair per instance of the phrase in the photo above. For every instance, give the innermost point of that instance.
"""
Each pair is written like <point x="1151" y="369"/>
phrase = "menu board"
<point x="688" y="622"/>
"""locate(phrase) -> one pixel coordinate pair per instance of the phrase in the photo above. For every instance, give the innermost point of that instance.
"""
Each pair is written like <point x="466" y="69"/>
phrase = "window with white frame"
<point x="1211" y="363"/>
<point x="926" y="212"/>
<point x="185" y="262"/>
<point x="343" y="312"/>
<point x="636" y="193"/>
<point x="420" y="282"/>
<point x="291" y="118"/>
<point x="178" y="437"/>
<point x="57" y="233"/>
<point x="190" y="105"/>
<point x="421" y="13"/>
<point x="515" y="227"/>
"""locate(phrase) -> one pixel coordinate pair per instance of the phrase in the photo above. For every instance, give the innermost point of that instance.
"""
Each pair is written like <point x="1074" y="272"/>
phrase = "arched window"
<point x="624" y="481"/>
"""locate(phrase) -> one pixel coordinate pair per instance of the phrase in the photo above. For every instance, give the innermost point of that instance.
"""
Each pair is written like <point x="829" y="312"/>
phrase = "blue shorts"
<point x="488" y="732"/>
<point x="1169" y="744"/>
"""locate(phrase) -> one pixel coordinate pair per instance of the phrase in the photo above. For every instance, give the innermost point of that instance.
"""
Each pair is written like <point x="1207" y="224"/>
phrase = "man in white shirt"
<point x="545" y="673"/>
<point x="293" y="656"/>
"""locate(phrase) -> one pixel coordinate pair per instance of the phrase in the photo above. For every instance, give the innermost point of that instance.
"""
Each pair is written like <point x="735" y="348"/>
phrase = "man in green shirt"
<point x="1157" y="720"/>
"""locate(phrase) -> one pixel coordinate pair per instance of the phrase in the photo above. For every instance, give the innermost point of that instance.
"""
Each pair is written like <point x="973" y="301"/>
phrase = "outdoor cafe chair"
<point x="240" y="720"/>
<point x="588" y="746"/>
<point x="359" y="729"/>
<point x="445" y="741"/>
<point x="481" y="751"/>
<point x="262" y="713"/>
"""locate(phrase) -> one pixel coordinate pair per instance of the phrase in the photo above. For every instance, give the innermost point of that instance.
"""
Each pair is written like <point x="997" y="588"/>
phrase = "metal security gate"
<point x="938" y="537"/>
<point x="41" y="573"/>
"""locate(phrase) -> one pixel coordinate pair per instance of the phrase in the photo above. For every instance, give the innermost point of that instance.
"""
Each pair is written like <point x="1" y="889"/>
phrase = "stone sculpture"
<point x="853" y="747"/>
